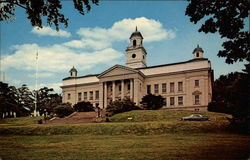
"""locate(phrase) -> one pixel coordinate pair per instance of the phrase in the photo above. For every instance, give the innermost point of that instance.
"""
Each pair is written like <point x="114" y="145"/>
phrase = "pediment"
<point x="117" y="70"/>
<point x="196" y="92"/>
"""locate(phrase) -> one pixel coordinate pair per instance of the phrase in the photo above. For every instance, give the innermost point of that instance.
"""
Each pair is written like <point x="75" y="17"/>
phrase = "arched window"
<point x="134" y="42"/>
<point x="197" y="54"/>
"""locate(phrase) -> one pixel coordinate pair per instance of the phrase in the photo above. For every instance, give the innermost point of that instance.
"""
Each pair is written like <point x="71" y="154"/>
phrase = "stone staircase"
<point x="74" y="118"/>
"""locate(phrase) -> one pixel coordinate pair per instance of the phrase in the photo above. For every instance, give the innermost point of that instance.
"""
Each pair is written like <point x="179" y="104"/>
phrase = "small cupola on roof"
<point x="136" y="54"/>
<point x="73" y="72"/>
<point x="198" y="52"/>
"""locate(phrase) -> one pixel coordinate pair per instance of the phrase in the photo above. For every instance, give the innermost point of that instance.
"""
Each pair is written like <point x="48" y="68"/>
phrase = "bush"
<point x="83" y="107"/>
<point x="63" y="110"/>
<point x="120" y="106"/>
<point x="152" y="102"/>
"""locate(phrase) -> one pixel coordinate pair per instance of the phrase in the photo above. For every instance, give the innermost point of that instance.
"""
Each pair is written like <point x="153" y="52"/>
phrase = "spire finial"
<point x="136" y="28"/>
<point x="198" y="46"/>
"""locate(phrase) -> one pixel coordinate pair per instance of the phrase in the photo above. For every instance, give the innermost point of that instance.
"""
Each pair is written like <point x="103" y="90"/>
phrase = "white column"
<point x="136" y="91"/>
<point x="105" y="94"/>
<point x="101" y="97"/>
<point x="131" y="89"/>
<point x="122" y="94"/>
<point x="113" y="90"/>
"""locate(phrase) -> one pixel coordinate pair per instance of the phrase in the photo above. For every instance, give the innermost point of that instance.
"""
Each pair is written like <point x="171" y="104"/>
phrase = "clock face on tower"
<point x="133" y="55"/>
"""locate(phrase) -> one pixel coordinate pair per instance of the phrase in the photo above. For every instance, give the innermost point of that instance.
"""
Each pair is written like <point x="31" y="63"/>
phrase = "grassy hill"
<point x="149" y="135"/>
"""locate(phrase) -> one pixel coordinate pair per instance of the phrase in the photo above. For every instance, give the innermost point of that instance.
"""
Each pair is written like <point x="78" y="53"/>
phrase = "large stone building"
<point x="184" y="85"/>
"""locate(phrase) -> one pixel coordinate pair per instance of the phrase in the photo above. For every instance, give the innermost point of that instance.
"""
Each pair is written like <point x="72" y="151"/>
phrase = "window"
<point x="196" y="83"/>
<point x="79" y="96"/>
<point x="171" y="101"/>
<point x="180" y="101"/>
<point x="91" y="95"/>
<point x="164" y="87"/>
<point x="133" y="55"/>
<point x="85" y="95"/>
<point x="96" y="95"/>
<point x="128" y="86"/>
<point x="120" y="88"/>
<point x="197" y="54"/>
<point x="180" y="86"/>
<point x="172" y="87"/>
<point x="148" y="89"/>
<point x="165" y="102"/>
<point x="156" y="86"/>
<point x="134" y="42"/>
<point x="68" y="96"/>
<point x="197" y="99"/>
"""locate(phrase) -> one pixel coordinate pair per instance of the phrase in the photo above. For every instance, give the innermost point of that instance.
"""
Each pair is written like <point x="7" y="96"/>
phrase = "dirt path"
<point x="78" y="117"/>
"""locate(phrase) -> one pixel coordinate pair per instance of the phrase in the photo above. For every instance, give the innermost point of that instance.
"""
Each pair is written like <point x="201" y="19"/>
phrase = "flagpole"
<point x="35" y="111"/>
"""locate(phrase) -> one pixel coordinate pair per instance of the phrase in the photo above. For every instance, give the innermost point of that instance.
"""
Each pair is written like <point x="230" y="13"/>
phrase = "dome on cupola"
<point x="136" y="33"/>
<point x="198" y="49"/>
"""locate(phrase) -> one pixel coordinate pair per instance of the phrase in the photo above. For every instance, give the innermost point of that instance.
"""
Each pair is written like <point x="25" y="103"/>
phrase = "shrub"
<point x="83" y="107"/>
<point x="120" y="106"/>
<point x="63" y="110"/>
<point x="40" y="121"/>
<point x="152" y="102"/>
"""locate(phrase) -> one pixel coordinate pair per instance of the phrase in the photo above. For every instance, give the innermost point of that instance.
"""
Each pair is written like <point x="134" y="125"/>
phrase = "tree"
<point x="46" y="99"/>
<point x="120" y="106"/>
<point x="226" y="17"/>
<point x="231" y="95"/>
<point x="37" y="9"/>
<point x="152" y="102"/>
<point x="63" y="110"/>
<point x="83" y="107"/>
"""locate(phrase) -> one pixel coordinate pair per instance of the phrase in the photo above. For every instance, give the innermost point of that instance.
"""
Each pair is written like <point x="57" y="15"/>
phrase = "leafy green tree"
<point x="46" y="99"/>
<point x="228" y="18"/>
<point x="63" y="110"/>
<point x="120" y="106"/>
<point x="7" y="104"/>
<point x="152" y="102"/>
<point x="37" y="10"/>
<point x="83" y="107"/>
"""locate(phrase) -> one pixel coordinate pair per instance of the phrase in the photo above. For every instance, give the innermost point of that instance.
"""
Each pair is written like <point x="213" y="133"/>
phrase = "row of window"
<point x="164" y="88"/>
<point x="180" y="100"/>
<point x="85" y="95"/>
<point x="171" y="88"/>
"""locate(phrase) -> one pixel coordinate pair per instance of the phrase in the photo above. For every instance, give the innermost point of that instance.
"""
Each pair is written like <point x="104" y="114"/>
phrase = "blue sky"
<point x="97" y="41"/>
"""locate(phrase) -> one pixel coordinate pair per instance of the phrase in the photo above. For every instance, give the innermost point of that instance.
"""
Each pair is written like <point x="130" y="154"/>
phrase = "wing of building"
<point x="184" y="85"/>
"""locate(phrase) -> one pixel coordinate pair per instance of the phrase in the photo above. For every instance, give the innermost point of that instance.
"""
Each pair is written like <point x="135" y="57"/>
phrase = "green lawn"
<point x="126" y="147"/>
<point x="152" y="135"/>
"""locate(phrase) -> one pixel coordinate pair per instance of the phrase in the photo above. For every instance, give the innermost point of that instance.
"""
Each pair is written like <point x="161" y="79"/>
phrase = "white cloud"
<point x="47" y="31"/>
<point x="151" y="30"/>
<point x="41" y="75"/>
<point x="88" y="43"/>
<point x="56" y="58"/>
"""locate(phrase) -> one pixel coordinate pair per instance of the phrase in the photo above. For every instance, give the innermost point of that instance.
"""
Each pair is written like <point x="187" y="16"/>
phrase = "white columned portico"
<point x="131" y="89"/>
<point x="105" y="94"/>
<point x="113" y="90"/>
<point x="122" y="89"/>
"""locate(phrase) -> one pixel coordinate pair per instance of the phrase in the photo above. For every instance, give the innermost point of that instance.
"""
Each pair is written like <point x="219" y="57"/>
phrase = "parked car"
<point x="197" y="117"/>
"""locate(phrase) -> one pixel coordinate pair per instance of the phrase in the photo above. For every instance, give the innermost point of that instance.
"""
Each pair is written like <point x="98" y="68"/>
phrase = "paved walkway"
<point x="77" y="117"/>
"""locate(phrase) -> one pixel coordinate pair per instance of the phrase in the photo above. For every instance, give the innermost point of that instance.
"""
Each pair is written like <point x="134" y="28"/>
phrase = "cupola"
<point x="73" y="72"/>
<point x="198" y="52"/>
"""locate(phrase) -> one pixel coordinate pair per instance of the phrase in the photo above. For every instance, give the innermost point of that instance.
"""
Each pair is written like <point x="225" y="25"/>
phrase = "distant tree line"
<point x="21" y="101"/>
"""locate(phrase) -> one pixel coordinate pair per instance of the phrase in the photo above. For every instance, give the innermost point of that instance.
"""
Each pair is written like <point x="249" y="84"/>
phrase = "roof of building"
<point x="136" y="33"/>
<point x="89" y="75"/>
<point x="169" y="64"/>
<point x="162" y="65"/>
<point x="73" y="69"/>
<point x="198" y="48"/>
